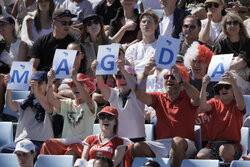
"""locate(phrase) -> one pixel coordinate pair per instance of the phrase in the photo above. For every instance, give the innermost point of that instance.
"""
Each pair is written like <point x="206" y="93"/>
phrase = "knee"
<point x="141" y="149"/>
<point x="227" y="152"/>
<point x="136" y="148"/>
<point x="179" y="143"/>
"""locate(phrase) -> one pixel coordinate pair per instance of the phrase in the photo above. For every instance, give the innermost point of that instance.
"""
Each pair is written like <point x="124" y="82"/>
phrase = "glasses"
<point x="186" y="26"/>
<point x="106" y="116"/>
<point x="210" y="5"/>
<point x="167" y="76"/>
<point x="220" y="87"/>
<point x="89" y="22"/>
<point x="235" y="23"/>
<point x="119" y="76"/>
<point x="64" y="23"/>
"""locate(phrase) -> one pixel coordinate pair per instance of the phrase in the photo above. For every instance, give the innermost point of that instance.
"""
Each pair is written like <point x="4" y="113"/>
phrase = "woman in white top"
<point x="39" y="22"/>
<point x="211" y="30"/>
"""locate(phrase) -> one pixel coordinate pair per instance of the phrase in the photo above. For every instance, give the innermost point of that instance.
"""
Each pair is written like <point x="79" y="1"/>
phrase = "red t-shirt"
<point x="175" y="118"/>
<point x="226" y="121"/>
<point x="203" y="120"/>
<point x="107" y="149"/>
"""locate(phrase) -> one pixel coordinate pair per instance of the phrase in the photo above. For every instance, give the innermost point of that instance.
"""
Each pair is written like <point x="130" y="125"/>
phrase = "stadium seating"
<point x="54" y="161"/>
<point x="198" y="140"/>
<point x="6" y="136"/>
<point x="240" y="164"/>
<point x="139" y="161"/>
<point x="247" y="101"/>
<point x="200" y="163"/>
<point x="8" y="160"/>
<point x="244" y="140"/>
<point x="16" y="95"/>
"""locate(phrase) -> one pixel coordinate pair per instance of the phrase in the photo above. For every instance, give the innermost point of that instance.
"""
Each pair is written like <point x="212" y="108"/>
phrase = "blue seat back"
<point x="200" y="163"/>
<point x="54" y="160"/>
<point x="8" y="160"/>
<point x="247" y="102"/>
<point x="244" y="140"/>
<point x="198" y="140"/>
<point x="6" y="136"/>
<point x="240" y="163"/>
<point x="16" y="95"/>
<point x="139" y="161"/>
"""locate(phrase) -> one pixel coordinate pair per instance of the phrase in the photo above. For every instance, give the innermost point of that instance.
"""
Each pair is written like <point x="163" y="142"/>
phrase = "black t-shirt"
<point x="44" y="49"/>
<point x="107" y="12"/>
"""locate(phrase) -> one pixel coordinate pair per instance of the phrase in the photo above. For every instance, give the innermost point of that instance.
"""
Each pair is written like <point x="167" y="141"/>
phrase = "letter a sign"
<point x="63" y="62"/>
<point x="20" y="74"/>
<point x="218" y="65"/>
<point x="166" y="52"/>
<point x="106" y="57"/>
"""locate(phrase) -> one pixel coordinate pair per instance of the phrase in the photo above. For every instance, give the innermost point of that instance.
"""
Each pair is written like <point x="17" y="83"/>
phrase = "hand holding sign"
<point x="106" y="57"/>
<point x="51" y="76"/>
<point x="228" y="77"/>
<point x="218" y="65"/>
<point x="166" y="52"/>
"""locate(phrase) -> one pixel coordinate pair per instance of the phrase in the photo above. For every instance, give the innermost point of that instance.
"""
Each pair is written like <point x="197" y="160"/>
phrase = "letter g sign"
<point x="109" y="64"/>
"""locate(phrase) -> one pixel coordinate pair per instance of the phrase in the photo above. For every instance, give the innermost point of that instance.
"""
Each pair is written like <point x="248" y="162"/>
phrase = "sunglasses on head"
<point x="90" y="22"/>
<point x="186" y="26"/>
<point x="235" y="23"/>
<point x="210" y="5"/>
<point x="64" y="23"/>
<point x="220" y="87"/>
<point x="106" y="116"/>
<point x="167" y="76"/>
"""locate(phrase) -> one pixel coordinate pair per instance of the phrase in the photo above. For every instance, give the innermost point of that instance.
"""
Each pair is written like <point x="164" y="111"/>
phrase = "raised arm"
<point x="12" y="104"/>
<point x="118" y="156"/>
<point x="141" y="87"/>
<point x="50" y="93"/>
<point x="228" y="76"/>
<point x="83" y="92"/>
<point x="204" y="105"/>
<point x="204" y="34"/>
<point x="36" y="63"/>
<point x="105" y="90"/>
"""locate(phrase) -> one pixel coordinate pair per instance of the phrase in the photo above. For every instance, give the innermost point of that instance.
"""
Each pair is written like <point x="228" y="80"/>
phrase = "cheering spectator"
<point x="124" y="27"/>
<point x="227" y="109"/>
<point x="38" y="23"/>
<point x="211" y="30"/>
<point x="176" y="113"/>
<point x="34" y="122"/>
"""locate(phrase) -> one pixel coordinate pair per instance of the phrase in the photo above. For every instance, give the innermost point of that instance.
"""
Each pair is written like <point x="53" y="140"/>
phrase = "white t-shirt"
<point x="29" y="128"/>
<point x="81" y="9"/>
<point x="36" y="35"/>
<point x="139" y="54"/>
<point x="166" y="25"/>
<point x="78" y="120"/>
<point x="216" y="32"/>
<point x="131" y="116"/>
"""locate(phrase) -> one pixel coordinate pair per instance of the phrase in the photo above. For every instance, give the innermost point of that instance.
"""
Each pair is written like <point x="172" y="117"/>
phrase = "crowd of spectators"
<point x="58" y="116"/>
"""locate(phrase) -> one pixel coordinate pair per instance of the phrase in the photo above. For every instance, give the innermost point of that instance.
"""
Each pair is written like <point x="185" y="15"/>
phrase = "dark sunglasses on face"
<point x="210" y="5"/>
<point x="235" y="23"/>
<point x="106" y="116"/>
<point x="167" y="76"/>
<point x="90" y="22"/>
<point x="64" y="23"/>
<point x="220" y="87"/>
<point x="119" y="76"/>
<point x="186" y="26"/>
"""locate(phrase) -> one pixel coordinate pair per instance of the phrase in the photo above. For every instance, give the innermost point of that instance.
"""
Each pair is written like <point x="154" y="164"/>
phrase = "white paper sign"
<point x="218" y="65"/>
<point x="166" y="52"/>
<point x="20" y="74"/>
<point x="63" y="62"/>
<point x="106" y="57"/>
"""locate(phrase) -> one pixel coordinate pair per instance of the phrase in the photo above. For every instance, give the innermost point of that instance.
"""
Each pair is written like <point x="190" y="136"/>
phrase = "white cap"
<point x="24" y="146"/>
<point x="80" y="163"/>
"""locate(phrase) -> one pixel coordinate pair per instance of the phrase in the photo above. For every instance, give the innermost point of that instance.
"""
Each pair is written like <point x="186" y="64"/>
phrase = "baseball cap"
<point x="91" y="17"/>
<point x="7" y="19"/>
<point x="215" y="1"/>
<point x="25" y="146"/>
<point x="109" y="110"/>
<point x="59" y="13"/>
<point x="129" y="69"/>
<point x="83" y="78"/>
<point x="39" y="76"/>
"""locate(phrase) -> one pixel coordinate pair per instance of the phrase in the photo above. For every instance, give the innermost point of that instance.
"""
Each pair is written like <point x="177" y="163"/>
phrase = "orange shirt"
<point x="175" y="118"/>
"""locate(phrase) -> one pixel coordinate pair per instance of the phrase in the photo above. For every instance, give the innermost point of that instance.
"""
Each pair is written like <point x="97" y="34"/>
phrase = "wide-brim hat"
<point x="215" y="1"/>
<point x="83" y="78"/>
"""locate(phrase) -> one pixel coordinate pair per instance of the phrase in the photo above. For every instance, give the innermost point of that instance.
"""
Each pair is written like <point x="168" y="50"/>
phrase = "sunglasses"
<point x="119" y="76"/>
<point x="167" y="76"/>
<point x="210" y="5"/>
<point x="186" y="26"/>
<point x="90" y="22"/>
<point x="106" y="116"/>
<point x="220" y="87"/>
<point x="64" y="23"/>
<point x="235" y="23"/>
